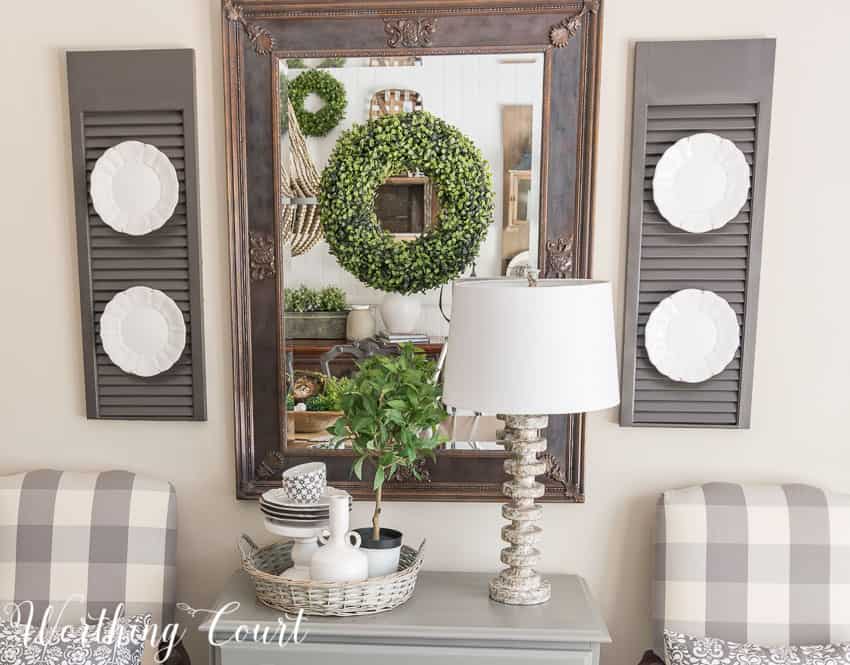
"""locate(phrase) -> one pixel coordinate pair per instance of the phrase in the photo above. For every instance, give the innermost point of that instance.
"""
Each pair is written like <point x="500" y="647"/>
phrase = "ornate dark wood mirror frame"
<point x="256" y="34"/>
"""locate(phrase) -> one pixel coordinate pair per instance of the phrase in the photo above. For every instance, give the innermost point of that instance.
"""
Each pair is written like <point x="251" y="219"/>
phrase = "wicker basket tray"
<point x="333" y="599"/>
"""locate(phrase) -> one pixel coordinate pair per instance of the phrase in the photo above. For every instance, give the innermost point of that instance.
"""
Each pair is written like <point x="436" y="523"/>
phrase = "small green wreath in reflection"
<point x="364" y="157"/>
<point x="332" y="93"/>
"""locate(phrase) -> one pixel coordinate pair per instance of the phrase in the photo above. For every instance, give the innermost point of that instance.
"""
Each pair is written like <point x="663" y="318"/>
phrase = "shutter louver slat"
<point x="702" y="111"/>
<point x="685" y="419"/>
<point x="99" y="118"/>
<point x="148" y="412"/>
<point x="107" y="142"/>
<point x="121" y="131"/>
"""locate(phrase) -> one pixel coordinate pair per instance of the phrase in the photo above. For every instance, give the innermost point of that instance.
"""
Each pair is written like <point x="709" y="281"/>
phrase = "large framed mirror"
<point x="516" y="80"/>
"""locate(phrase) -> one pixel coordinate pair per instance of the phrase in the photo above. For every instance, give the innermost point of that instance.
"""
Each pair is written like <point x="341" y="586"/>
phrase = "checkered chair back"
<point x="98" y="538"/>
<point x="767" y="564"/>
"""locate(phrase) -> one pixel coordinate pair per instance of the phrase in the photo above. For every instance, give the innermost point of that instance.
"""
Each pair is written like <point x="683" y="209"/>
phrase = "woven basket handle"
<point x="247" y="547"/>
<point x="420" y="553"/>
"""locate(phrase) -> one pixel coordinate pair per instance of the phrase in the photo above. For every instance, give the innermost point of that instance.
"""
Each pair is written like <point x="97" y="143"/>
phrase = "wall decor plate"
<point x="134" y="188"/>
<point x="692" y="335"/>
<point x="701" y="183"/>
<point x="142" y="331"/>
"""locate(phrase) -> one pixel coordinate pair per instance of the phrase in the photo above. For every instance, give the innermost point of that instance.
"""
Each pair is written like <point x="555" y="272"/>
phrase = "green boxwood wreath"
<point x="364" y="157"/>
<point x="332" y="93"/>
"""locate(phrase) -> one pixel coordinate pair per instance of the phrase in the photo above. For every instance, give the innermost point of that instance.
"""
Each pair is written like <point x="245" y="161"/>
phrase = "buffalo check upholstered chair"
<point x="98" y="538"/>
<point x="765" y="564"/>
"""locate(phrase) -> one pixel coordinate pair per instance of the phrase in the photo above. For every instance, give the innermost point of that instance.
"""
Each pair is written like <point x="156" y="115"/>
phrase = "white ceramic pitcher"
<point x="340" y="558"/>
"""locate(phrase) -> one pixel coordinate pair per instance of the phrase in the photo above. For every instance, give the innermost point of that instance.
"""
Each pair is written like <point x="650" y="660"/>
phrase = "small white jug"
<point x="340" y="560"/>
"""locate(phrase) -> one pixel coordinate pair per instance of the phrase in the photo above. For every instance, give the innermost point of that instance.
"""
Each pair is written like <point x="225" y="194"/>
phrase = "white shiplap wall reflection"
<point x="467" y="91"/>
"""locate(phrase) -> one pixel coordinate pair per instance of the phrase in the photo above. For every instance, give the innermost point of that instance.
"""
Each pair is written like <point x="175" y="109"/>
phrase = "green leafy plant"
<point x="364" y="157"/>
<point x="332" y="93"/>
<point x="282" y="97"/>
<point x="320" y="403"/>
<point x="334" y="389"/>
<point x="331" y="299"/>
<point x="330" y="399"/>
<point x="305" y="299"/>
<point x="332" y="62"/>
<point x="391" y="412"/>
<point x="325" y="63"/>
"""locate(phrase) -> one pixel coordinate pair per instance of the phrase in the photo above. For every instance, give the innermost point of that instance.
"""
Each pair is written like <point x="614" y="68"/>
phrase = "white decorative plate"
<point x="142" y="331"/>
<point x="134" y="188"/>
<point x="692" y="335"/>
<point x="278" y="498"/>
<point x="701" y="183"/>
<point x="297" y="522"/>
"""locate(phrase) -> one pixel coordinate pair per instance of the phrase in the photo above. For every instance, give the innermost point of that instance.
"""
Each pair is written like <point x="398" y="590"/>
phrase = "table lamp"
<point x="523" y="350"/>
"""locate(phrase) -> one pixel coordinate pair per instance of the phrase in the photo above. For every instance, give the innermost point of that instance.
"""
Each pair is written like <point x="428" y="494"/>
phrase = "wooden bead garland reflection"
<point x="301" y="226"/>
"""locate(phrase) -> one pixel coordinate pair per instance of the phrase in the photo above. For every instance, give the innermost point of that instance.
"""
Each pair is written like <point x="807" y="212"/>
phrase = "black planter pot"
<point x="383" y="554"/>
<point x="390" y="538"/>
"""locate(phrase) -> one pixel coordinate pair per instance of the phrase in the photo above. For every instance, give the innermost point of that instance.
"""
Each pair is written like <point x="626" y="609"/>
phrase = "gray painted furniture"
<point x="723" y="87"/>
<point x="767" y="564"/>
<point x="147" y="96"/>
<point x="450" y="619"/>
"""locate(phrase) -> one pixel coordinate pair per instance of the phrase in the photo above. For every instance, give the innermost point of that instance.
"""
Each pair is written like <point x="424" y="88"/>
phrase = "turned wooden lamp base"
<point x="519" y="583"/>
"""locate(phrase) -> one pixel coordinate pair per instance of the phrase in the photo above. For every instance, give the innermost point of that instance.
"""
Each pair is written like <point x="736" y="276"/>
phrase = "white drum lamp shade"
<point x="516" y="349"/>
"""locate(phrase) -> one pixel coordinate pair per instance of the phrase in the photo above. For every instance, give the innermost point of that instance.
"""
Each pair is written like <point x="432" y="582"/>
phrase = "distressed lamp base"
<point x="519" y="583"/>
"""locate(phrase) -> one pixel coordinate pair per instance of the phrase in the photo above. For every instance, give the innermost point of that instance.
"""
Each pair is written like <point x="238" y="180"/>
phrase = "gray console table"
<point x="450" y="619"/>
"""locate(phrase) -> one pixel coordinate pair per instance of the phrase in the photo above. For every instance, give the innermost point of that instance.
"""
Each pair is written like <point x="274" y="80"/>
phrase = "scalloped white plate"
<point x="277" y="498"/>
<point x="692" y="335"/>
<point x="134" y="188"/>
<point x="701" y="183"/>
<point x="143" y="331"/>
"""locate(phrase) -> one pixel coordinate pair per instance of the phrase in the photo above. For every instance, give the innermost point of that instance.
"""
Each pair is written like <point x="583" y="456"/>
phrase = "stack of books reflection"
<point x="396" y="338"/>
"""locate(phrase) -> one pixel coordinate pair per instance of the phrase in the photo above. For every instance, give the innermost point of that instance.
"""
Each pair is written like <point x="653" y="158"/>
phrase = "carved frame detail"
<point x="554" y="470"/>
<point x="261" y="257"/>
<point x="409" y="32"/>
<point x="563" y="32"/>
<point x="261" y="39"/>
<point x="559" y="258"/>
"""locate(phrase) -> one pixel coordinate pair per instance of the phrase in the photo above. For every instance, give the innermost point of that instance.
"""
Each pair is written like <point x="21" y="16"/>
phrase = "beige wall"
<point x="801" y="400"/>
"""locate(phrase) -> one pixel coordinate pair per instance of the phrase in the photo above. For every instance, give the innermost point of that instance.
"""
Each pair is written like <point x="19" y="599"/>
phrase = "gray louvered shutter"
<point x="681" y="89"/>
<point x="145" y="96"/>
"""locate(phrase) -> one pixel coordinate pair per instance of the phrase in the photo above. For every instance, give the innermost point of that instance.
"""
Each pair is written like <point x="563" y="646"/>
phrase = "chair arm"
<point x="178" y="656"/>
<point x="649" y="658"/>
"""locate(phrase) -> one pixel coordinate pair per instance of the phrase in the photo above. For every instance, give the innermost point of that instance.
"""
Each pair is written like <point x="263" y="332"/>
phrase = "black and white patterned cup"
<point x="305" y="483"/>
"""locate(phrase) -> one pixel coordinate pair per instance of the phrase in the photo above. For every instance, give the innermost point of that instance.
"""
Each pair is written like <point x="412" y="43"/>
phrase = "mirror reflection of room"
<point x="333" y="319"/>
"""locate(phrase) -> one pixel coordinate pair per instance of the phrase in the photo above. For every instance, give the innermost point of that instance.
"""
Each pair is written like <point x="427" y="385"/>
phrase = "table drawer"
<point x="365" y="654"/>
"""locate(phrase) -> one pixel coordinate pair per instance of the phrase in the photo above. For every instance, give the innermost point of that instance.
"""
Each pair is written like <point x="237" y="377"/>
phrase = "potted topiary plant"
<point x="314" y="313"/>
<point x="391" y="412"/>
